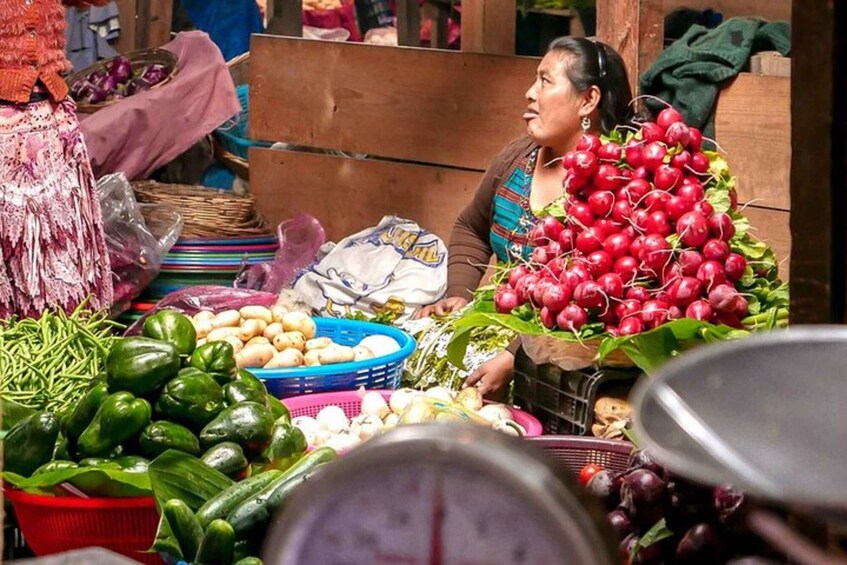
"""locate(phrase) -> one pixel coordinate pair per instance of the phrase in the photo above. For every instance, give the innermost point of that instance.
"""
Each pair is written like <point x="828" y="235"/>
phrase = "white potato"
<point x="278" y="313"/>
<point x="203" y="316"/>
<point x="227" y="319"/>
<point x="362" y="353"/>
<point x="256" y="313"/>
<point x="237" y="344"/>
<point x="290" y="340"/>
<point x="285" y="360"/>
<point x="252" y="328"/>
<point x="318" y="343"/>
<point x="220" y="334"/>
<point x="259" y="339"/>
<point x="312" y="358"/>
<point x="335" y="354"/>
<point x="203" y="327"/>
<point x="273" y="330"/>
<point x="255" y="356"/>
<point x="298" y="321"/>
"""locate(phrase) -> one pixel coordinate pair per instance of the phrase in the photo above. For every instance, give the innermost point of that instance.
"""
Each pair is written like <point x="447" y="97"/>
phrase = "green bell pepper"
<point x="30" y="443"/>
<point x="248" y="424"/>
<point x="161" y="436"/>
<point x="121" y="417"/>
<point x="236" y="392"/>
<point x="216" y="358"/>
<point x="288" y="444"/>
<point x="133" y="463"/>
<point x="193" y="399"/>
<point x="62" y="449"/>
<point x="172" y="327"/>
<point x="76" y="420"/>
<point x="247" y="378"/>
<point x="140" y="365"/>
<point x="279" y="411"/>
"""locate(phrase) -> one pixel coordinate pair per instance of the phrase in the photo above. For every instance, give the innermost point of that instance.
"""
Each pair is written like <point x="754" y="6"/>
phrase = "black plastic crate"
<point x="563" y="401"/>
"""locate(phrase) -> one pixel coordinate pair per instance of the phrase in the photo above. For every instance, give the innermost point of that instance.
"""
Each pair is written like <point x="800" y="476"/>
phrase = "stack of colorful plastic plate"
<point x="193" y="262"/>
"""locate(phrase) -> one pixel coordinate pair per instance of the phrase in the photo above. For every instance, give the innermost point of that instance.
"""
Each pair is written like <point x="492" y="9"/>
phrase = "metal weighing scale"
<point x="765" y="414"/>
<point x="441" y="495"/>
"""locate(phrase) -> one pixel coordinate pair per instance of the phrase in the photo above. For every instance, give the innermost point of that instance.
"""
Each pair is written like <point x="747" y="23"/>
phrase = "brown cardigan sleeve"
<point x="470" y="251"/>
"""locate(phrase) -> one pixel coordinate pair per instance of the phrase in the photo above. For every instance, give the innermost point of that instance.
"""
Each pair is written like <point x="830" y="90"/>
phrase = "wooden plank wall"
<point x="753" y="127"/>
<point x="424" y="105"/>
<point x="144" y="23"/>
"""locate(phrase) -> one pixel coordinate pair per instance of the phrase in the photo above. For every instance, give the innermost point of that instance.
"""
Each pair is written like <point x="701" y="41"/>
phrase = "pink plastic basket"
<point x="351" y="403"/>
<point x="577" y="452"/>
<point x="53" y="524"/>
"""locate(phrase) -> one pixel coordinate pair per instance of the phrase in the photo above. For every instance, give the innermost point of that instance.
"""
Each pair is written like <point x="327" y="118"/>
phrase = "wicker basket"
<point x="206" y="212"/>
<point x="136" y="58"/>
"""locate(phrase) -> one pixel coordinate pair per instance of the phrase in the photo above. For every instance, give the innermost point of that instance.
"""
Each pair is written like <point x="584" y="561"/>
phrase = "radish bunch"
<point x="636" y="242"/>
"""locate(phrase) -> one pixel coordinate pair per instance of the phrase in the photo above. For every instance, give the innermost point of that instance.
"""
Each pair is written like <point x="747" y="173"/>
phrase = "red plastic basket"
<point x="53" y="524"/>
<point x="351" y="403"/>
<point x="576" y="452"/>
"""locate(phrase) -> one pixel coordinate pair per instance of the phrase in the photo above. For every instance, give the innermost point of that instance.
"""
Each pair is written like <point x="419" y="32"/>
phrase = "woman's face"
<point x="555" y="108"/>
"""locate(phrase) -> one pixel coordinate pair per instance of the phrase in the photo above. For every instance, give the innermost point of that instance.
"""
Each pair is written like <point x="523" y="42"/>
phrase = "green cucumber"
<point x="221" y="505"/>
<point x="185" y="527"/>
<point x="218" y="544"/>
<point x="256" y="511"/>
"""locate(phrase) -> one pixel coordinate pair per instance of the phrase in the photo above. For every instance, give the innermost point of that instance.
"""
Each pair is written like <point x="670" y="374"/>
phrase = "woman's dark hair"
<point x="597" y="64"/>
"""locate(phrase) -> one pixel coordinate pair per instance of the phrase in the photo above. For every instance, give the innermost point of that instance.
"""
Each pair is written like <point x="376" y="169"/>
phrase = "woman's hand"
<point x="494" y="375"/>
<point x="441" y="308"/>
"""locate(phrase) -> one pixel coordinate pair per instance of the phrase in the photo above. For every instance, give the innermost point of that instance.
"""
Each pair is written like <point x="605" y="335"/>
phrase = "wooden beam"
<point x="635" y="29"/>
<point x="408" y="23"/>
<point x="159" y="26"/>
<point x="488" y="27"/>
<point x="439" y="33"/>
<point x="768" y="9"/>
<point x="285" y="17"/>
<point x="126" y="14"/>
<point x="818" y="183"/>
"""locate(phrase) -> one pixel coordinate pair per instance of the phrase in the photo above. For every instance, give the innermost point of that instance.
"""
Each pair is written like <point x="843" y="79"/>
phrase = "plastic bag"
<point x="192" y="299"/>
<point x="135" y="248"/>
<point x="300" y="239"/>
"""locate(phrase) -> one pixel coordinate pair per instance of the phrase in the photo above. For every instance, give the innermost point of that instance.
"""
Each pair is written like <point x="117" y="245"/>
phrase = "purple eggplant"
<point x="620" y="523"/>
<point x="98" y="95"/>
<point x="644" y="497"/>
<point x="640" y="459"/>
<point x="655" y="554"/>
<point x="701" y="545"/>
<point x="627" y="545"/>
<point x="604" y="484"/>
<point x="689" y="503"/>
<point x="120" y="69"/>
<point x="137" y="85"/>
<point x="154" y="74"/>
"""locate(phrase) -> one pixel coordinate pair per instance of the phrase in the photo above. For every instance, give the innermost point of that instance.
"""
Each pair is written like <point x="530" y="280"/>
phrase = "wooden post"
<point x="818" y="162"/>
<point x="633" y="28"/>
<point x="285" y="17"/>
<point x="408" y="23"/>
<point x="488" y="26"/>
<point x="439" y="13"/>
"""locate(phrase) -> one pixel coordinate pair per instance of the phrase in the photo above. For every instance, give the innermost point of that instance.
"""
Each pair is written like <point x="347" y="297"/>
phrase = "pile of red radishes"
<point x="639" y="243"/>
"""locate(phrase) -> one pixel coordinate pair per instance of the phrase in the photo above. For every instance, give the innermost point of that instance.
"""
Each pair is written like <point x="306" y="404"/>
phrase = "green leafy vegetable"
<point x="93" y="481"/>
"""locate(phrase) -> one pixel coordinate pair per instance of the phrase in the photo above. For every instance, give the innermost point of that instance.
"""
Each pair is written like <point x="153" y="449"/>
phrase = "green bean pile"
<point x="49" y="362"/>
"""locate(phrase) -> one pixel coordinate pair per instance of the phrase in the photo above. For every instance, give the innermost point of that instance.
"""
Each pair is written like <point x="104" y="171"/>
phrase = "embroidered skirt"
<point x="52" y="250"/>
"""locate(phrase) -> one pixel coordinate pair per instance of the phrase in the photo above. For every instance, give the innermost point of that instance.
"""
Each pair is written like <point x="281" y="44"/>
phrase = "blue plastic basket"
<point x="380" y="373"/>
<point x="233" y="135"/>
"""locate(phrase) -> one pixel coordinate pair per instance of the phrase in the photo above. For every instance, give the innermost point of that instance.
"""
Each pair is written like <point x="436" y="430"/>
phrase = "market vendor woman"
<point x="580" y="86"/>
<point x="52" y="249"/>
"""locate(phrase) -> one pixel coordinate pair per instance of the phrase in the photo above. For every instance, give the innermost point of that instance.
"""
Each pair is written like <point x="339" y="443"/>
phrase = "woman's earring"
<point x="586" y="123"/>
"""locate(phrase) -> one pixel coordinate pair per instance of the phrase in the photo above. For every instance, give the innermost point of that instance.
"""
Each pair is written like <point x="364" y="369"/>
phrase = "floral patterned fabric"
<point x="52" y="250"/>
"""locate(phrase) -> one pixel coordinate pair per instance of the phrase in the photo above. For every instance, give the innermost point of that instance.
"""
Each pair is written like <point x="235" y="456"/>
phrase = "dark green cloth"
<point x="690" y="72"/>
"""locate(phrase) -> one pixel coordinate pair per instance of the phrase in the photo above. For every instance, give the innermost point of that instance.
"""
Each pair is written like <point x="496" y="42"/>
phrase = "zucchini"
<point x="218" y="544"/>
<point x="256" y="511"/>
<point x="185" y="527"/>
<point x="221" y="505"/>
